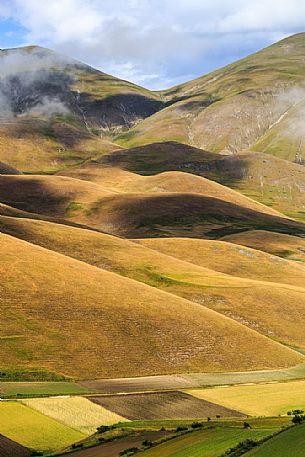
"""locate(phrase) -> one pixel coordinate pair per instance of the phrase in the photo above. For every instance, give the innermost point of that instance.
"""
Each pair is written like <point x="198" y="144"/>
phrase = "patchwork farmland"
<point x="33" y="430"/>
<point x="163" y="405"/>
<point x="75" y="412"/>
<point x="258" y="400"/>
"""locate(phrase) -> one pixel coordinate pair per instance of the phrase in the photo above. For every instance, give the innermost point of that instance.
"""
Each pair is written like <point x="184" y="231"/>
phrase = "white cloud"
<point x="156" y="42"/>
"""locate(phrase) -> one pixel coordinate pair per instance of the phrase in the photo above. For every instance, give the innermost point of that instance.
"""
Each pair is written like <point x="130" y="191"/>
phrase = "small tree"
<point x="103" y="428"/>
<point x="196" y="424"/>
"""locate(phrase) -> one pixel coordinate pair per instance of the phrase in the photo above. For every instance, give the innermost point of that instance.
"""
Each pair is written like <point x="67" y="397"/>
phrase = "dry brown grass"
<point x="286" y="246"/>
<point x="118" y="180"/>
<point x="211" y="214"/>
<point x="73" y="318"/>
<point x="274" y="309"/>
<point x="161" y="405"/>
<point x="49" y="195"/>
<point x="232" y="259"/>
<point x="267" y="179"/>
<point x="37" y="146"/>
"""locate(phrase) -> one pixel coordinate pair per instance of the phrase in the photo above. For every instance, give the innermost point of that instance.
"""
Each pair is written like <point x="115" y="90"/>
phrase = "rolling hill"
<point x="73" y="318"/>
<point x="143" y="214"/>
<point x="286" y="246"/>
<point x="231" y="259"/>
<point x="119" y="180"/>
<point x="78" y="296"/>
<point x="277" y="183"/>
<point x="254" y="303"/>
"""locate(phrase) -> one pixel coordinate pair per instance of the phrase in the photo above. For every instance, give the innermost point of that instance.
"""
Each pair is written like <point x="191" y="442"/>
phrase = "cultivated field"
<point x="287" y="444"/>
<point x="26" y="389"/>
<point x="34" y="430"/>
<point x="113" y="448"/>
<point x="163" y="405"/>
<point x="9" y="448"/>
<point x="75" y="412"/>
<point x="258" y="400"/>
<point x="205" y="443"/>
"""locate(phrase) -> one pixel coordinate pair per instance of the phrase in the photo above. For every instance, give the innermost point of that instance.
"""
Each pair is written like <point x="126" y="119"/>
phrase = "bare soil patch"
<point x="161" y="405"/>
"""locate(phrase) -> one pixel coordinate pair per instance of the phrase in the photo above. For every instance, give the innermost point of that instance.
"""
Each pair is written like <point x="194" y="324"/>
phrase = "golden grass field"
<point x="118" y="180"/>
<point x="38" y="145"/>
<point x="273" y="182"/>
<point x="257" y="400"/>
<point x="34" y="430"/>
<point x="286" y="246"/>
<point x="253" y="303"/>
<point x="136" y="214"/>
<point x="70" y="317"/>
<point x="75" y="412"/>
<point x="231" y="259"/>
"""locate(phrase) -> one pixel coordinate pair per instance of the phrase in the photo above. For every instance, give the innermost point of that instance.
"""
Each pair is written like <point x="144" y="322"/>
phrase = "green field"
<point x="290" y="443"/>
<point x="257" y="400"/>
<point x="75" y="412"/>
<point x="25" y="389"/>
<point x="34" y="430"/>
<point x="206" y="443"/>
<point x="255" y="422"/>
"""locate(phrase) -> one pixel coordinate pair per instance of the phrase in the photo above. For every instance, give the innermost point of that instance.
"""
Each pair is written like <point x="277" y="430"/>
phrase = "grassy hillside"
<point x="253" y="303"/>
<point x="90" y="112"/>
<point x="229" y="258"/>
<point x="64" y="311"/>
<point x="56" y="109"/>
<point x="139" y="214"/>
<point x="232" y="108"/>
<point x="178" y="214"/>
<point x="119" y="180"/>
<point x="286" y="246"/>
<point x="275" y="182"/>
<point x="38" y="145"/>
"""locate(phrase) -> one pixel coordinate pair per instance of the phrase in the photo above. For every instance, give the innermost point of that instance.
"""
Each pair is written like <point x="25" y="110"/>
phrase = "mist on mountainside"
<point x="34" y="82"/>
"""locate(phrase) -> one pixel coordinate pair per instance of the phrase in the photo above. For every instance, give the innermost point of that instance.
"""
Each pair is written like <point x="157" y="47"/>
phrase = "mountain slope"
<point x="232" y="108"/>
<point x="73" y="318"/>
<point x="53" y="109"/>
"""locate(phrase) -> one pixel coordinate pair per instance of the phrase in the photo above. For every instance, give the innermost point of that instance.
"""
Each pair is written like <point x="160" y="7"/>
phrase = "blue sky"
<point x="155" y="43"/>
